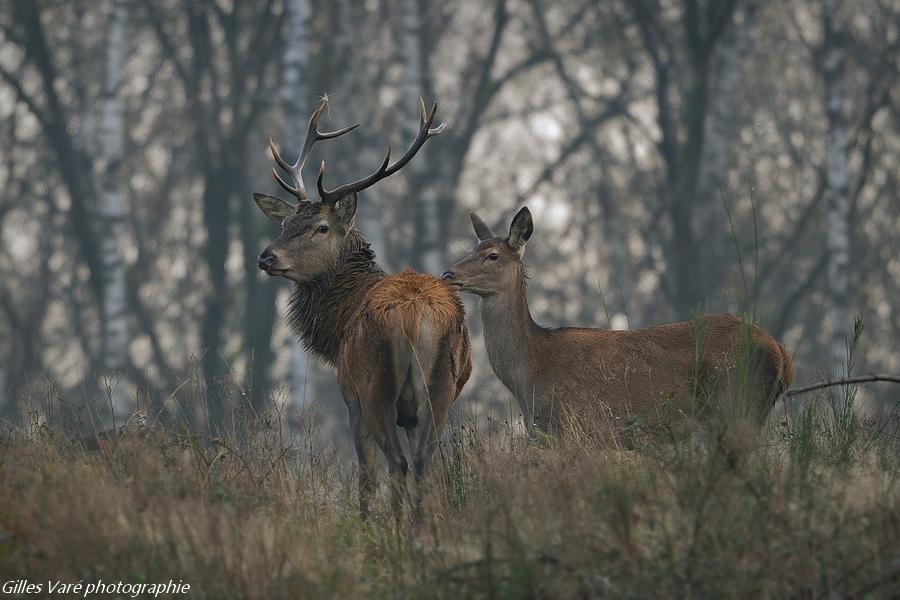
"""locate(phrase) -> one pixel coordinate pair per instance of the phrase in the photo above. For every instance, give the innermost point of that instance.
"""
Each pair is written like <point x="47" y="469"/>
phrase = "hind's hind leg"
<point x="762" y="383"/>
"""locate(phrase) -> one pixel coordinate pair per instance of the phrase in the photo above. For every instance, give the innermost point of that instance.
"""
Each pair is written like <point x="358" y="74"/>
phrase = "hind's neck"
<point x="319" y="311"/>
<point x="511" y="336"/>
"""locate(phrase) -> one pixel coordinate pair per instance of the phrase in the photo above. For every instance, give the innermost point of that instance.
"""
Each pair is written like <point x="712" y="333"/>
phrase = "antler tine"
<point x="426" y="132"/>
<point x="283" y="183"/>
<point x="287" y="167"/>
<point x="323" y="193"/>
<point x="313" y="135"/>
<point x="331" y="196"/>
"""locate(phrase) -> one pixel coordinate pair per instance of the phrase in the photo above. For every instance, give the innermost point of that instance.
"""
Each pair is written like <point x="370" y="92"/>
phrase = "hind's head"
<point x="495" y="264"/>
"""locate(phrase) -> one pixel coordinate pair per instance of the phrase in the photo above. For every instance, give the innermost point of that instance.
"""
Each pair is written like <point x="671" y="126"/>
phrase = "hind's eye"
<point x="493" y="256"/>
<point x="323" y="229"/>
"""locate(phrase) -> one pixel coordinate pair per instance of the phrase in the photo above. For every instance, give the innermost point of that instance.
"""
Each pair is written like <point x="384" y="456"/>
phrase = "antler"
<point x="426" y="131"/>
<point x="313" y="135"/>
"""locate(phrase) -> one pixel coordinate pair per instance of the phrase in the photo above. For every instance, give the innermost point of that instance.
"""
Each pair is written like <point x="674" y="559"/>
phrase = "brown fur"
<point x="646" y="375"/>
<point x="403" y="299"/>
<point x="399" y="342"/>
<point x="788" y="370"/>
<point x="403" y="361"/>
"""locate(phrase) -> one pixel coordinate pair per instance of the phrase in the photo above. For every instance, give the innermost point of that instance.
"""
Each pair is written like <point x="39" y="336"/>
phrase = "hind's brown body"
<point x="647" y="375"/>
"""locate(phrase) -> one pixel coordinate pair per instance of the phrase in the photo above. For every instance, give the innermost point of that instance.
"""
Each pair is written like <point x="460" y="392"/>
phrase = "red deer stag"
<point x="626" y="374"/>
<point x="399" y="342"/>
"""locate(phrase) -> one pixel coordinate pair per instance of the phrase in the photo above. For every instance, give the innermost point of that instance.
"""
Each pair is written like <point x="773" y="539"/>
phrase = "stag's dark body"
<point x="399" y="342"/>
<point x="402" y="357"/>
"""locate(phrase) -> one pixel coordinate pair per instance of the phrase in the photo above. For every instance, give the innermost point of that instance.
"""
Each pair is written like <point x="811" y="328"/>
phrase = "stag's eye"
<point x="323" y="229"/>
<point x="493" y="256"/>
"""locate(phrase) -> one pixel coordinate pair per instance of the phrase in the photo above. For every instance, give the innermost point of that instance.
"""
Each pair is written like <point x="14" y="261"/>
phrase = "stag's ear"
<point x="520" y="230"/>
<point x="275" y="208"/>
<point x="482" y="229"/>
<point x="345" y="209"/>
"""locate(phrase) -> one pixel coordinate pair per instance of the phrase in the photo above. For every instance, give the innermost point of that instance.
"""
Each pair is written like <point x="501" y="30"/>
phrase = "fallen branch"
<point x="845" y="381"/>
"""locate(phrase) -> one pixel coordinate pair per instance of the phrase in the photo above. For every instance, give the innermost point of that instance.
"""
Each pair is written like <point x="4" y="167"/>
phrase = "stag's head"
<point x="313" y="233"/>
<point x="495" y="264"/>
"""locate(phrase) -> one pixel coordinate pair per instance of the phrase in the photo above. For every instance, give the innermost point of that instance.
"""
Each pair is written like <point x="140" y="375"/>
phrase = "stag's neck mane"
<point x="319" y="311"/>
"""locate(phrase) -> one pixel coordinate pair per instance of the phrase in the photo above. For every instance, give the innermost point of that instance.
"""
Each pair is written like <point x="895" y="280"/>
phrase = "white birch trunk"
<point x="294" y="101"/>
<point x="836" y="185"/>
<point x="112" y="213"/>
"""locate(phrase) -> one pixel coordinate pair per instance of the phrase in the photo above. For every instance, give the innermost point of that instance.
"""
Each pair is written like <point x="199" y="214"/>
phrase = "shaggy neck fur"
<point x="320" y="310"/>
<point x="510" y="334"/>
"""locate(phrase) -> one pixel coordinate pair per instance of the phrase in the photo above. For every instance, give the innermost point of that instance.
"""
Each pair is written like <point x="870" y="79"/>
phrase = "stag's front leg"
<point x="366" y="455"/>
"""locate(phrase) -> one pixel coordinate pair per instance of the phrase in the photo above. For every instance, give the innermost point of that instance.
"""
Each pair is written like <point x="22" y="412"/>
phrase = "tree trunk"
<point x="836" y="185"/>
<point x="112" y="213"/>
<point x="427" y="251"/>
<point x="354" y="89"/>
<point x="722" y="126"/>
<point x="259" y="299"/>
<point x="85" y="125"/>
<point x="691" y="283"/>
<point x="614" y="228"/>
<point x="683" y="102"/>
<point x="215" y="201"/>
<point x="295" y="104"/>
<point x="74" y="165"/>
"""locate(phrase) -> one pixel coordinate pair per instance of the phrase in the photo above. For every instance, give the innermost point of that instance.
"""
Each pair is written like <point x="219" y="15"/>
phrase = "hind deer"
<point x="554" y="373"/>
<point x="399" y="342"/>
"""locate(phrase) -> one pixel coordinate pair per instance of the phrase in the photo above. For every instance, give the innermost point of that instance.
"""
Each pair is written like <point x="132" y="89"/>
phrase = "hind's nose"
<point x="448" y="275"/>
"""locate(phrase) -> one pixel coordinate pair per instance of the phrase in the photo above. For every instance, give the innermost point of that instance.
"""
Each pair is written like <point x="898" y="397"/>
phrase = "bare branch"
<point x="15" y="83"/>
<point x="844" y="381"/>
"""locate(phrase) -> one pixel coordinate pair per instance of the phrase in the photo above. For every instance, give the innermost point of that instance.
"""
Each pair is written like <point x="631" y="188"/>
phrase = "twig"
<point x="845" y="381"/>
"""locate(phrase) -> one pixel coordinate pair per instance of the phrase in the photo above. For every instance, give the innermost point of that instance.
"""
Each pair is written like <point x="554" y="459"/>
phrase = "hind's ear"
<point x="482" y="229"/>
<point x="520" y="230"/>
<point x="274" y="208"/>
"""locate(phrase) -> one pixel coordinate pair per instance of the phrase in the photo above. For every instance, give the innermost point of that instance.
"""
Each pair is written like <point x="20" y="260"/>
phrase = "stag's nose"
<point x="266" y="260"/>
<point x="448" y="275"/>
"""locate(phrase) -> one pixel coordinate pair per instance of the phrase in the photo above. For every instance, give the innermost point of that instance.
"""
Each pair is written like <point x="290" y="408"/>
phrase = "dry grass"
<point x="808" y="508"/>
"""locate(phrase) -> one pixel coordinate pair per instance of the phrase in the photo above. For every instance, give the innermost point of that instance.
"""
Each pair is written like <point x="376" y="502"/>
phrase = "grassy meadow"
<point x="809" y="507"/>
